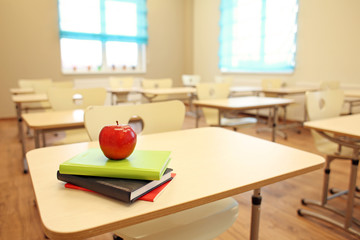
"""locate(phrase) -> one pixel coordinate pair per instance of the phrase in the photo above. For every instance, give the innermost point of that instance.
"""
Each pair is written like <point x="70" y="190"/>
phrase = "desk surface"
<point x="289" y="90"/>
<point x="243" y="103"/>
<point x="352" y="93"/>
<point x="21" y="90"/>
<point x="225" y="164"/>
<point x="27" y="98"/>
<point x="54" y="119"/>
<point x="174" y="90"/>
<point x="343" y="125"/>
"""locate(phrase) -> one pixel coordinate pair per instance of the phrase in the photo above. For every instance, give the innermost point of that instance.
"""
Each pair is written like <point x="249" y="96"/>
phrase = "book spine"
<point x="118" y="194"/>
<point x="102" y="172"/>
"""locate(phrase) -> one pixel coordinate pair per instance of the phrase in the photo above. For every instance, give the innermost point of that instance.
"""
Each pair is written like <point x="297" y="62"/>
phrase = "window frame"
<point x="141" y="40"/>
<point x="258" y="69"/>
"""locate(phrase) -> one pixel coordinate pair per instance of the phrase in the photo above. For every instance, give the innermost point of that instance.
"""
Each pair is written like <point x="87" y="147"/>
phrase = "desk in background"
<point x="16" y="91"/>
<point x="203" y="175"/>
<point x="243" y="104"/>
<point x="352" y="97"/>
<point x="49" y="121"/>
<point x="348" y="127"/>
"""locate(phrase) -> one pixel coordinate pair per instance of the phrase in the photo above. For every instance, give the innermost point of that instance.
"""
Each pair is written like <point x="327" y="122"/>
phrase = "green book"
<point x="141" y="164"/>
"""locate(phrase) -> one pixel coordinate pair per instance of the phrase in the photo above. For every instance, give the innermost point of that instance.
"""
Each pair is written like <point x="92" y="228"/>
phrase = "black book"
<point x="126" y="190"/>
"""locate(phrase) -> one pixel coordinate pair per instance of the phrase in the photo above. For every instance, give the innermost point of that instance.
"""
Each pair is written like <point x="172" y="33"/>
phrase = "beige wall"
<point x="328" y="41"/>
<point x="30" y="46"/>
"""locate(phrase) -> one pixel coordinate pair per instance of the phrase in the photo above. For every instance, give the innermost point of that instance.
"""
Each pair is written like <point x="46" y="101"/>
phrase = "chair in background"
<point x="220" y="91"/>
<point x="204" y="222"/>
<point x="120" y="82"/>
<point x="157" y="83"/>
<point x="320" y="105"/>
<point x="190" y="80"/>
<point x="224" y="79"/>
<point x="324" y="85"/>
<point x="63" y="84"/>
<point x="71" y="99"/>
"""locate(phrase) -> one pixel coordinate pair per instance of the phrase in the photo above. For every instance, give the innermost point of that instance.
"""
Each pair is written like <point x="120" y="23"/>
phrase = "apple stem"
<point x="117" y="122"/>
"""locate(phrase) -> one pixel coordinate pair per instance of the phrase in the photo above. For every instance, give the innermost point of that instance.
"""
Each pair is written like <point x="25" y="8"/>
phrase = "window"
<point x="258" y="35"/>
<point x="102" y="36"/>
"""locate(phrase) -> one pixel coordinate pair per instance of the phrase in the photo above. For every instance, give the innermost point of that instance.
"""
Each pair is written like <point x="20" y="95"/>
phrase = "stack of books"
<point x="143" y="175"/>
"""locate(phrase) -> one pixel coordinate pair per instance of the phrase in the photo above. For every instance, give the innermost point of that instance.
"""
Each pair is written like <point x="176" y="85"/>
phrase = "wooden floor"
<point x="19" y="218"/>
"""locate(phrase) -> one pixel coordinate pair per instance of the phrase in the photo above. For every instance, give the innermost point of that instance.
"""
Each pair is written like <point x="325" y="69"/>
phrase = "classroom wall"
<point x="30" y="45"/>
<point x="327" y="42"/>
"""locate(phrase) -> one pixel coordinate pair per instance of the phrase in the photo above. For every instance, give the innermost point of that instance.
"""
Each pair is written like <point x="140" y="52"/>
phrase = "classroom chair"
<point x="224" y="79"/>
<point x="202" y="223"/>
<point x="120" y="82"/>
<point x="320" y="105"/>
<point x="71" y="99"/>
<point x="220" y="91"/>
<point x="157" y="83"/>
<point x="190" y="80"/>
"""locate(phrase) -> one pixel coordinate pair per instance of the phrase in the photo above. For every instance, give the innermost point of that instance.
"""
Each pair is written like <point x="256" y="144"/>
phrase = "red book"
<point x="150" y="196"/>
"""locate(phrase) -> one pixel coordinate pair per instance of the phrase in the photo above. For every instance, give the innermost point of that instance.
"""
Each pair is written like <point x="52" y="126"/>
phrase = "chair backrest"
<point x="121" y="82"/>
<point x="63" y="84"/>
<point x="323" y="104"/>
<point x="156" y="117"/>
<point x="39" y="85"/>
<point x="271" y="83"/>
<point x="157" y="83"/>
<point x="69" y="98"/>
<point x="329" y="85"/>
<point x="190" y="80"/>
<point x="224" y="79"/>
<point x="212" y="91"/>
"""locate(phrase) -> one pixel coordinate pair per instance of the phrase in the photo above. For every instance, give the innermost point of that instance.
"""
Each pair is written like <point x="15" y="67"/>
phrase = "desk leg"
<point x="37" y="138"/>
<point x="197" y="116"/>
<point x="255" y="215"/>
<point x="22" y="138"/>
<point x="352" y="186"/>
<point x="274" y="123"/>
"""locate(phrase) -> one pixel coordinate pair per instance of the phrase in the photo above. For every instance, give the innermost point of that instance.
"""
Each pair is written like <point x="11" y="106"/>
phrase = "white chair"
<point x="224" y="79"/>
<point x="70" y="99"/>
<point x="63" y="84"/>
<point x="324" y="85"/>
<point x="320" y="105"/>
<point x="202" y="223"/>
<point x="120" y="82"/>
<point x="190" y="80"/>
<point x="157" y="83"/>
<point x="220" y="91"/>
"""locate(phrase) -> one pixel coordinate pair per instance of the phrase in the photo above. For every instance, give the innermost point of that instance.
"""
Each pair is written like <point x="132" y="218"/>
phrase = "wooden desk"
<point x="19" y="100"/>
<point x="223" y="165"/>
<point x="16" y="91"/>
<point x="242" y="104"/>
<point x="53" y="121"/>
<point x="344" y="126"/>
<point x="150" y="94"/>
<point x="353" y="98"/>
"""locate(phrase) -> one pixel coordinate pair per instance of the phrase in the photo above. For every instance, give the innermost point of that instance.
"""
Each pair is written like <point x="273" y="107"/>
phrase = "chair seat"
<point x="201" y="223"/>
<point x="237" y="121"/>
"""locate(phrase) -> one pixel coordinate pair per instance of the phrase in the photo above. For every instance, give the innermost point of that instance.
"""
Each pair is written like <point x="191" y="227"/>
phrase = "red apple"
<point x="117" y="141"/>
